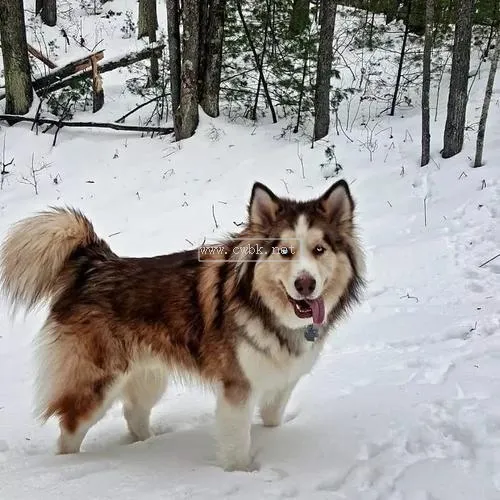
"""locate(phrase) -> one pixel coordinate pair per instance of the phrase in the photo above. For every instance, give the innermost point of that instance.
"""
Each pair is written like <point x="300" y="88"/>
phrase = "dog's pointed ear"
<point x="264" y="205"/>
<point x="337" y="204"/>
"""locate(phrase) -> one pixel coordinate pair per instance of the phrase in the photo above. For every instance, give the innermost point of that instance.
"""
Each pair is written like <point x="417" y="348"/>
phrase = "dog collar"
<point x="311" y="333"/>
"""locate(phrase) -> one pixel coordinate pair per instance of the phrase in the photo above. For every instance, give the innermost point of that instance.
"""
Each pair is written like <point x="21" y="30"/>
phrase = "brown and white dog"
<point x="247" y="317"/>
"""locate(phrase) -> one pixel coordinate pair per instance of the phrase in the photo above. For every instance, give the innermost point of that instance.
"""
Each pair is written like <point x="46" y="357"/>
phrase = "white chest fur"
<point x="267" y="363"/>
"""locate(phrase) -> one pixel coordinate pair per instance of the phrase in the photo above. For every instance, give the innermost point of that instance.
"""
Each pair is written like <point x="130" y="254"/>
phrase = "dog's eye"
<point x="319" y="250"/>
<point x="286" y="252"/>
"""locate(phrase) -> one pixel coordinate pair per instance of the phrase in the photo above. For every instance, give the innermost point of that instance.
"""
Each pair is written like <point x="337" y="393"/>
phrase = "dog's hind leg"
<point x="141" y="392"/>
<point x="80" y="409"/>
<point x="273" y="405"/>
<point x="72" y="384"/>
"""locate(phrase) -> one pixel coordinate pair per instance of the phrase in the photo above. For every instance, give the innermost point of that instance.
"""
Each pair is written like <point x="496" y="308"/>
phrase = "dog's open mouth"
<point x="309" y="308"/>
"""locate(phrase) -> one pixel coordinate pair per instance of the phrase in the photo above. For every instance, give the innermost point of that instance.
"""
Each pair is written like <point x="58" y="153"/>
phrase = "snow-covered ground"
<point x="405" y="402"/>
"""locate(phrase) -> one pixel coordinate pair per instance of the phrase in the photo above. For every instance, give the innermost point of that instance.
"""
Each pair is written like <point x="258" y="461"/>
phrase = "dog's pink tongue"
<point x="318" y="310"/>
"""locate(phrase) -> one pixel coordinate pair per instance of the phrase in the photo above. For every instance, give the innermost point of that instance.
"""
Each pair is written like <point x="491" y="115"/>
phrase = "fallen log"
<point x="66" y="75"/>
<point x="11" y="119"/>
<point x="66" y="70"/>
<point x="119" y="62"/>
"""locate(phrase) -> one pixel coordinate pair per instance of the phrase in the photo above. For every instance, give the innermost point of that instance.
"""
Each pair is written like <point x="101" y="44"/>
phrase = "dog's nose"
<point x="305" y="284"/>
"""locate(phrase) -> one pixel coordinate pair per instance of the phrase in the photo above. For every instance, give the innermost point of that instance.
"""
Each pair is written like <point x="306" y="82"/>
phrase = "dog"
<point x="247" y="317"/>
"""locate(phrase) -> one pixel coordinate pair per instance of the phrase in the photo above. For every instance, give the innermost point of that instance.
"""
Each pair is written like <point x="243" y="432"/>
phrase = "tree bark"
<point x="47" y="10"/>
<point x="401" y="60"/>
<point x="174" y="52"/>
<point x="213" y="58"/>
<point x="186" y="116"/>
<point x="299" y="19"/>
<point x="18" y="89"/>
<point x="426" y="83"/>
<point x="478" y="161"/>
<point x="204" y="6"/>
<point x="327" y="14"/>
<point x="146" y="26"/>
<point x="457" y="97"/>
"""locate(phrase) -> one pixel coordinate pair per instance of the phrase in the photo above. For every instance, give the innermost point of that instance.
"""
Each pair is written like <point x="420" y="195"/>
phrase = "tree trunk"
<point x="457" y="97"/>
<point x="204" y="6"/>
<point x="478" y="161"/>
<point x="328" y="11"/>
<point x="299" y="19"/>
<point x="18" y="89"/>
<point x="401" y="60"/>
<point x="426" y="83"/>
<point x="47" y="10"/>
<point x="146" y="26"/>
<point x="187" y="114"/>
<point x="174" y="52"/>
<point x="213" y="58"/>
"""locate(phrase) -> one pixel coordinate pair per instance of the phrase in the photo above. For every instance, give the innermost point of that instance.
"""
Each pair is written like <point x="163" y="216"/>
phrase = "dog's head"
<point x="309" y="258"/>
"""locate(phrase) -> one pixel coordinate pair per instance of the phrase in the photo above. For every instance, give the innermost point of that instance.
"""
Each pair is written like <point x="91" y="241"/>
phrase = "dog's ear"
<point x="337" y="204"/>
<point x="264" y="205"/>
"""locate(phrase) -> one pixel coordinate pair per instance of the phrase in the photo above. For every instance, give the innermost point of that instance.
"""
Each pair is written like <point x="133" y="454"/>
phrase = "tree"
<point x="457" y="97"/>
<point x="47" y="10"/>
<point x="426" y="82"/>
<point x="299" y="20"/>
<point x="327" y="13"/>
<point x="478" y="161"/>
<point x="146" y="26"/>
<point x="401" y="59"/>
<point x="18" y="89"/>
<point x="186" y="116"/>
<point x="174" y="52"/>
<point x="212" y="50"/>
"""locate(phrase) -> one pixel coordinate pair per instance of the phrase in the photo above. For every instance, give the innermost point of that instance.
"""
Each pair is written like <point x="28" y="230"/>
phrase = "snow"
<point x="405" y="401"/>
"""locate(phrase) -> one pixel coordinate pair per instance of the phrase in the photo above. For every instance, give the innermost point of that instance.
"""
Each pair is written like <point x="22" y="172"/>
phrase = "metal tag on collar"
<point x="311" y="333"/>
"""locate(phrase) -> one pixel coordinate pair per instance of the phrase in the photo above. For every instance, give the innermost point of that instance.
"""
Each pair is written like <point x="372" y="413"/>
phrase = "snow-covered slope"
<point x="405" y="402"/>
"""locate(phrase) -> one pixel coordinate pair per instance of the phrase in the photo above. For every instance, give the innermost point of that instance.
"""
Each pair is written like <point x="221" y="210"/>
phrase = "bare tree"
<point x="426" y="82"/>
<point x="327" y="14"/>
<point x="186" y="115"/>
<point x="47" y="10"/>
<point x="18" y="88"/>
<point x="212" y="52"/>
<point x="401" y="59"/>
<point x="457" y="97"/>
<point x="146" y="26"/>
<point x="174" y="51"/>
<point x="478" y="161"/>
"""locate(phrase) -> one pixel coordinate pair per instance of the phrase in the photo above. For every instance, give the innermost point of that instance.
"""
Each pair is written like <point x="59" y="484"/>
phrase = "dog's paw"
<point x="243" y="464"/>
<point x="252" y="466"/>
<point x="271" y="420"/>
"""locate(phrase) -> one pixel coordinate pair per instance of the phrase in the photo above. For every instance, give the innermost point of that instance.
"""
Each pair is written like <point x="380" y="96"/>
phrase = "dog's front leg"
<point x="235" y="407"/>
<point x="273" y="405"/>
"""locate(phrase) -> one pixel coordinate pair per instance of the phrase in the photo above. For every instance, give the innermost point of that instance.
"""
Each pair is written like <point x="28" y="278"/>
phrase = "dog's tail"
<point x="35" y="257"/>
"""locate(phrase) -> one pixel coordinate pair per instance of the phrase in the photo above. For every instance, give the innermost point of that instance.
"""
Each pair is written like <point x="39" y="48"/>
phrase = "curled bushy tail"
<point x="35" y="252"/>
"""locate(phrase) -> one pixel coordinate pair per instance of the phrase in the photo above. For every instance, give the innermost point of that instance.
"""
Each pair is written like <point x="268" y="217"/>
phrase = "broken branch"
<point x="115" y="126"/>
